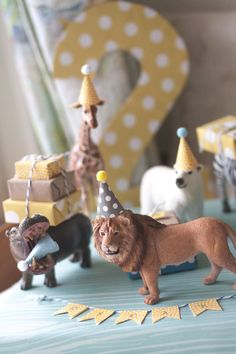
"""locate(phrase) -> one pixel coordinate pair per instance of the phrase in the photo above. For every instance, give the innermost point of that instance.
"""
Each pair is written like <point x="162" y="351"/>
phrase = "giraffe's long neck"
<point x="84" y="138"/>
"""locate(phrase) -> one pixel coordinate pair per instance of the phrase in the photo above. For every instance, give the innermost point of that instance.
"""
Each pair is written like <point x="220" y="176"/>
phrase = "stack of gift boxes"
<point x="52" y="190"/>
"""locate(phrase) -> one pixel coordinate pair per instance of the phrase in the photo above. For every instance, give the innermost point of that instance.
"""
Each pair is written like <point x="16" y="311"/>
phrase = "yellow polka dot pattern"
<point x="200" y="306"/>
<point x="45" y="169"/>
<point x="99" y="315"/>
<point x="136" y="316"/>
<point x="164" y="68"/>
<point x="162" y="312"/>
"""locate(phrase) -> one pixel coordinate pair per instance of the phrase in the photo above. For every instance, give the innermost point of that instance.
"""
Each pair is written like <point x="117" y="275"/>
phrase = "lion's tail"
<point x="231" y="233"/>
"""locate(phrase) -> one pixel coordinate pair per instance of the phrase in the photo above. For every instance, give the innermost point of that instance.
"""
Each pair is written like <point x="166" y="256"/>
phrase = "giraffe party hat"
<point x="185" y="160"/>
<point x="108" y="205"/>
<point x="88" y="95"/>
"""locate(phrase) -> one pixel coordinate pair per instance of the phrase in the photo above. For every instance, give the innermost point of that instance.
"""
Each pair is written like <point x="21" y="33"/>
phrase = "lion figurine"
<point x="139" y="243"/>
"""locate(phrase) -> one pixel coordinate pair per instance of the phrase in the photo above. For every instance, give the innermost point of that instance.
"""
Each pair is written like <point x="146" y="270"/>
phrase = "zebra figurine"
<point x="225" y="172"/>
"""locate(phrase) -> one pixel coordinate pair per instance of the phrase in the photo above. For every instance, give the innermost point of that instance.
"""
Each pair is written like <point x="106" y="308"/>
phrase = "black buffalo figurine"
<point x="72" y="236"/>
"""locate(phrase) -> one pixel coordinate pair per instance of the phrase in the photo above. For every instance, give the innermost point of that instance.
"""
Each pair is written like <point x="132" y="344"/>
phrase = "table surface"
<point x="30" y="327"/>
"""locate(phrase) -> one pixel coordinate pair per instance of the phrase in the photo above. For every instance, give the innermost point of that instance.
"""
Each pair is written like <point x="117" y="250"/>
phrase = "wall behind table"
<point x="208" y="28"/>
<point x="16" y="137"/>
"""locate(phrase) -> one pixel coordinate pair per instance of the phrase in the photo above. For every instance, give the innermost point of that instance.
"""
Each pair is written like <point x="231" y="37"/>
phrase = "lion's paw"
<point x="143" y="291"/>
<point x="151" y="299"/>
<point x="208" y="280"/>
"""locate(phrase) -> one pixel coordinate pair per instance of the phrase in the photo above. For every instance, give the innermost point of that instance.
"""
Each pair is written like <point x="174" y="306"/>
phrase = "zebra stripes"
<point x="225" y="172"/>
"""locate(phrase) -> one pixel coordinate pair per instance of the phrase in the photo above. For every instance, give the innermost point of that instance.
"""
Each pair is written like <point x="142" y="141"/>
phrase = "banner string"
<point x="44" y="298"/>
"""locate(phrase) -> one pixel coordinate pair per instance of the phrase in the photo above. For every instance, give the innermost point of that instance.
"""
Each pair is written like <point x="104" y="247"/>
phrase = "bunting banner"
<point x="162" y="312"/>
<point x="99" y="315"/>
<point x="200" y="306"/>
<point x="138" y="316"/>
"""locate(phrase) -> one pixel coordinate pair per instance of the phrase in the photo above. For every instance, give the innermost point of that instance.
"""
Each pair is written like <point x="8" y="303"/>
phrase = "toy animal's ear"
<point x="7" y="233"/>
<point x="124" y="220"/>
<point x="200" y="167"/>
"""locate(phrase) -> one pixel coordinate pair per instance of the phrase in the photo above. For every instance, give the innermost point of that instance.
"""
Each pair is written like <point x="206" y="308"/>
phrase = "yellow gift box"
<point x="56" y="212"/>
<point x="218" y="136"/>
<point x="45" y="168"/>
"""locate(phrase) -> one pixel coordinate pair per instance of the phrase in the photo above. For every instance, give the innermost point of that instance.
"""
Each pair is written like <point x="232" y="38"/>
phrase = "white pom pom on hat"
<point x="86" y="69"/>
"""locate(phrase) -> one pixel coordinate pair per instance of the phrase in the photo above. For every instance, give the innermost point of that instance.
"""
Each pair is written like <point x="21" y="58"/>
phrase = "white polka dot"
<point x="101" y="190"/>
<point x="105" y="22"/>
<point x="115" y="206"/>
<point x="149" y="13"/>
<point x="122" y="184"/>
<point x="137" y="52"/>
<point x="153" y="125"/>
<point x="110" y="138"/>
<point x="108" y="198"/>
<point x="156" y="36"/>
<point x="135" y="144"/>
<point x="105" y="208"/>
<point x="148" y="102"/>
<point x="179" y="43"/>
<point x="93" y="63"/>
<point x="111" y="45"/>
<point x="116" y="161"/>
<point x="168" y="85"/>
<point x="129" y="120"/>
<point x="131" y="29"/>
<point x="144" y="79"/>
<point x="184" y="67"/>
<point x="124" y="6"/>
<point x="66" y="58"/>
<point x="98" y="209"/>
<point x="81" y="17"/>
<point x="85" y="40"/>
<point x="99" y="200"/>
<point x="162" y="60"/>
<point x="112" y="215"/>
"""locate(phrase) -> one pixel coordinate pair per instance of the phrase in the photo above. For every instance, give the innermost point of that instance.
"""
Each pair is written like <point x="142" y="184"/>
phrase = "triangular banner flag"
<point x="162" y="312"/>
<point x="136" y="316"/>
<point x="99" y="315"/>
<point x="200" y="306"/>
<point x="73" y="310"/>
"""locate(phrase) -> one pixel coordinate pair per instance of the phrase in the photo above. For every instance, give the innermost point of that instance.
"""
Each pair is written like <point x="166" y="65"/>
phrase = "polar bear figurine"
<point x="178" y="189"/>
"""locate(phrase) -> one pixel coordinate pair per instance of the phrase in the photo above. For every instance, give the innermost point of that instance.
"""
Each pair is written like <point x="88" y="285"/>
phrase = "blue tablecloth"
<point x="29" y="327"/>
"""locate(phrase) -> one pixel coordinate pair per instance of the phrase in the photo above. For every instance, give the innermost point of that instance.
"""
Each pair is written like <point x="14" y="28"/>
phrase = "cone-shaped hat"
<point x="88" y="95"/>
<point x="185" y="160"/>
<point x="108" y="206"/>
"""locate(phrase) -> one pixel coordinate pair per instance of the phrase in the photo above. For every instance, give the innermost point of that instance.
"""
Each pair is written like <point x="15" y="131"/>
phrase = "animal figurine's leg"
<point x="82" y="184"/>
<point x="152" y="285"/>
<point x="75" y="257"/>
<point x="85" y="260"/>
<point x="143" y="290"/>
<point x="50" y="279"/>
<point x="26" y="282"/>
<point x="211" y="278"/>
<point x="220" y="168"/>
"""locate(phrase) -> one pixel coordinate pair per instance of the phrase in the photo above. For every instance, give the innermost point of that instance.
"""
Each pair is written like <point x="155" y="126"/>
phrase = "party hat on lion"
<point x="108" y="205"/>
<point x="185" y="160"/>
<point x="88" y="96"/>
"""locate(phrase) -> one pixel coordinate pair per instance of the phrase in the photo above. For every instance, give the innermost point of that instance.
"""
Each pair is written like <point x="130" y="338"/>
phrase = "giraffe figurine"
<point x="85" y="157"/>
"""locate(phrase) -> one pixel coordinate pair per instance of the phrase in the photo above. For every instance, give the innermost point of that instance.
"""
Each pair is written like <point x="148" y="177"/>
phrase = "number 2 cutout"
<point x="164" y="64"/>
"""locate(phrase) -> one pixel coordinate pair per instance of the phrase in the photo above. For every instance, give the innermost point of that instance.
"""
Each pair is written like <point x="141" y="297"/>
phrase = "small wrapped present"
<point x="49" y="190"/>
<point x="169" y="218"/>
<point x="56" y="212"/>
<point x="218" y="136"/>
<point x="44" y="168"/>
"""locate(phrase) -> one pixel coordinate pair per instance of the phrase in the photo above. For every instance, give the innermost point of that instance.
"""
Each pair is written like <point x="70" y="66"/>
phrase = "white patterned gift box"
<point x="218" y="136"/>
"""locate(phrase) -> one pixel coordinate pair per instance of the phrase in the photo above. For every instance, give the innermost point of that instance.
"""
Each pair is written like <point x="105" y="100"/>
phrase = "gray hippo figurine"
<point x="72" y="236"/>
